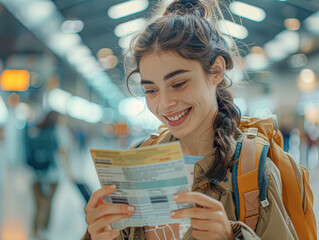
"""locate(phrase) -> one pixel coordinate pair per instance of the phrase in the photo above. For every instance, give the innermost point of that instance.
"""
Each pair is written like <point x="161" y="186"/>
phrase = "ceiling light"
<point x="62" y="42"/>
<point x="77" y="53"/>
<point x="297" y="60"/>
<point x="247" y="11"/>
<point x="292" y="24"/>
<point x="311" y="23"/>
<point x="130" y="27"/>
<point x="307" y="76"/>
<point x="256" y="62"/>
<point x="257" y="50"/>
<point x="124" y="42"/>
<point x="232" y="29"/>
<point x="103" y="52"/>
<point x="57" y="100"/>
<point x="289" y="41"/>
<point x="109" y="62"/>
<point x="274" y="51"/>
<point x="307" y="80"/>
<point x="83" y="109"/>
<point x="127" y="8"/>
<point x="72" y="26"/>
<point x="284" y="44"/>
<point x="39" y="11"/>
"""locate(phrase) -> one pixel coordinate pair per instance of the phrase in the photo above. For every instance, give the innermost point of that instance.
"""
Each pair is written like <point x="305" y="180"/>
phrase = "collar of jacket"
<point x="203" y="166"/>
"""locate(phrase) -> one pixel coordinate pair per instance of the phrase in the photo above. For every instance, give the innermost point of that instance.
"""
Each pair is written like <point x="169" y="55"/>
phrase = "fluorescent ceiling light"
<point x="72" y="26"/>
<point x="274" y="51"/>
<point x="38" y="11"/>
<point x="124" y="42"/>
<point x="82" y="109"/>
<point x="62" y="42"/>
<point x="285" y="43"/>
<point x="247" y="11"/>
<point x="127" y="8"/>
<point x="232" y="29"/>
<point x="289" y="41"/>
<point x="78" y="52"/>
<point x="58" y="99"/>
<point x="130" y="27"/>
<point x="256" y="62"/>
<point x="311" y="23"/>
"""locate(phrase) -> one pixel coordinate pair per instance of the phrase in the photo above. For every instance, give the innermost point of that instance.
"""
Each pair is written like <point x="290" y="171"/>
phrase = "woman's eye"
<point x="177" y="85"/>
<point x="150" y="91"/>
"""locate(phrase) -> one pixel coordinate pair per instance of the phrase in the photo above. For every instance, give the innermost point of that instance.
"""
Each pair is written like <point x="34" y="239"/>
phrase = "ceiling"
<point x="98" y="29"/>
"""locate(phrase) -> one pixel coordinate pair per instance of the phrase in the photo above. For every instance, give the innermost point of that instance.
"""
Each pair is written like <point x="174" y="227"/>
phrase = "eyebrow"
<point x="166" y="77"/>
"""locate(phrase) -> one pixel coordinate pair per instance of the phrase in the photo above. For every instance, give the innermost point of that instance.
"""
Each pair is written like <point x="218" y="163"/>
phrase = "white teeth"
<point x="178" y="116"/>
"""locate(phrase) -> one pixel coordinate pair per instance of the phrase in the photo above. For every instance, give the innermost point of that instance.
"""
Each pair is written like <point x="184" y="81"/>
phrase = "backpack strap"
<point x="249" y="180"/>
<point x="154" y="137"/>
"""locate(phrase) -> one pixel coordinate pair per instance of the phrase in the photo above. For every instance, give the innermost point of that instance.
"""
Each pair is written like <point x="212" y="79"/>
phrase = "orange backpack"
<point x="262" y="139"/>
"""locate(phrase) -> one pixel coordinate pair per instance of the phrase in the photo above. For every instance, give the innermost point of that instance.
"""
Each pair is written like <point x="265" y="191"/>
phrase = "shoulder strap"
<point x="155" y="137"/>
<point x="247" y="177"/>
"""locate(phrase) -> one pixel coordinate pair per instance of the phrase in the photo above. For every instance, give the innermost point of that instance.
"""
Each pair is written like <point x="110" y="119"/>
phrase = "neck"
<point x="201" y="147"/>
<point x="200" y="142"/>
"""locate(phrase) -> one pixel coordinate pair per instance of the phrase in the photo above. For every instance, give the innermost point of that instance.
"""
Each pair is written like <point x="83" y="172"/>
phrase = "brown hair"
<point x="189" y="28"/>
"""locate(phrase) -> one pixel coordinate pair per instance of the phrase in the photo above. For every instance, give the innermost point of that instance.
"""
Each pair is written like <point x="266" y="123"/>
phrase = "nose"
<point x="167" y="100"/>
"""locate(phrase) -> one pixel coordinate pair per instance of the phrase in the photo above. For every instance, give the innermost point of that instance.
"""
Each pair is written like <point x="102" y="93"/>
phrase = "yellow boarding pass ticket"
<point x="147" y="178"/>
<point x="139" y="156"/>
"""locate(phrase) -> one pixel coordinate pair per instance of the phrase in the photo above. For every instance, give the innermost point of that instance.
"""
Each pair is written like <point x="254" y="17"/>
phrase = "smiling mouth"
<point x="178" y="118"/>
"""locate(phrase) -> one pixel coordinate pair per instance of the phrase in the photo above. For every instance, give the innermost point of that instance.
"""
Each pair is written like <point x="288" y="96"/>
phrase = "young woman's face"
<point x="179" y="93"/>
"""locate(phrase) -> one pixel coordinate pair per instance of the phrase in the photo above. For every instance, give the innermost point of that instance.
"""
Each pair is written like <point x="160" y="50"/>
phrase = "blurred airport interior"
<point x="67" y="56"/>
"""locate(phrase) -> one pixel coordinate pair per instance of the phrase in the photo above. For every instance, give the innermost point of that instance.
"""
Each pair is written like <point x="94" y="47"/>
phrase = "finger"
<point x="199" y="199"/>
<point x="106" y="235"/>
<point x="103" y="223"/>
<point x="201" y="235"/>
<point x="203" y="225"/>
<point x="108" y="209"/>
<point x="99" y="194"/>
<point x="199" y="213"/>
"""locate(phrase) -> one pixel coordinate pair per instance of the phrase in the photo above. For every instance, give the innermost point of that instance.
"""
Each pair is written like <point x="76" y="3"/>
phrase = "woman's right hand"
<point x="100" y="216"/>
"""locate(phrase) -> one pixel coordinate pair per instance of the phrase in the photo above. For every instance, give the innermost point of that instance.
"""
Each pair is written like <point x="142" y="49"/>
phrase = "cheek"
<point x="151" y="104"/>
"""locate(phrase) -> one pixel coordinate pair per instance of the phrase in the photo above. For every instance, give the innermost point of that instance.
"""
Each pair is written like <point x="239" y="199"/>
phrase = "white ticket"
<point x="147" y="178"/>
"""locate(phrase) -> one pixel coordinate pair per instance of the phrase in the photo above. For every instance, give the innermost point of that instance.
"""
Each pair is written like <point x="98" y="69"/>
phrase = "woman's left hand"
<point x="208" y="218"/>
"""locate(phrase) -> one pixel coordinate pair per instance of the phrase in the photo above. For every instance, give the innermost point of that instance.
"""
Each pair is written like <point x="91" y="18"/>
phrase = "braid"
<point x="225" y="123"/>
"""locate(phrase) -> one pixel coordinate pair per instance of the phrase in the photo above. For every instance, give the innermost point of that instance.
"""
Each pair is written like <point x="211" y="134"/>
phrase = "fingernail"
<point x="113" y="186"/>
<point x="172" y="214"/>
<point x="175" y="197"/>
<point x="131" y="209"/>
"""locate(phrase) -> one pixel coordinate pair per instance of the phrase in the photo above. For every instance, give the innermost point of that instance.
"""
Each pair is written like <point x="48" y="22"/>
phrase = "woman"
<point x="182" y="58"/>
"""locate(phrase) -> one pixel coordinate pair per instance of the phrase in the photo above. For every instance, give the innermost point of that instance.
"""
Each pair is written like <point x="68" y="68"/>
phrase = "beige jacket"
<point x="274" y="222"/>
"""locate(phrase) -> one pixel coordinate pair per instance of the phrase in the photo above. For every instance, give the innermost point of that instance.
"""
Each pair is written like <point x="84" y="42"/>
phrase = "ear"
<point x="218" y="69"/>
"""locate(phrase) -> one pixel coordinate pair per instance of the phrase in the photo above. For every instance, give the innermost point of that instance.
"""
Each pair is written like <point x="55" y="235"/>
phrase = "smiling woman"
<point x="181" y="58"/>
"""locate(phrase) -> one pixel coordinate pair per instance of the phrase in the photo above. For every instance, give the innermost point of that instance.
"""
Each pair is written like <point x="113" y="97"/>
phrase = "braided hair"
<point x="189" y="28"/>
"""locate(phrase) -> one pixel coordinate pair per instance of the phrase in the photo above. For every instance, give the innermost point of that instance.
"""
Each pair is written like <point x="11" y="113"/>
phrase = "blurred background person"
<point x="46" y="144"/>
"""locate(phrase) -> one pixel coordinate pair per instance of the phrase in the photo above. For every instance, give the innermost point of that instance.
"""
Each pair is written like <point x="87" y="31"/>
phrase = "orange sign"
<point x="15" y="80"/>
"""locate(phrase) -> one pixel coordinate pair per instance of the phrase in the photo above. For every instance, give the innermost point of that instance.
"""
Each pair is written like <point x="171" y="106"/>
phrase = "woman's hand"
<point x="99" y="215"/>
<point x="208" y="218"/>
